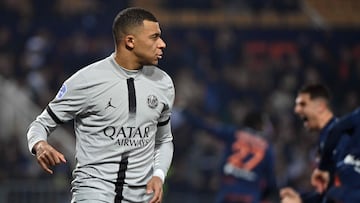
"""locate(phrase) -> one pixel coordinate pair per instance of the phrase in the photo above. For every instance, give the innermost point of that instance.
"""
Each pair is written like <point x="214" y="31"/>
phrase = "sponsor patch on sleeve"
<point x="61" y="92"/>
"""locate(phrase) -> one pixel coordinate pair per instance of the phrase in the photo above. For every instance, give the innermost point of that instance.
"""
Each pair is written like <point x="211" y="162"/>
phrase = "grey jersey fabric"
<point x="119" y="117"/>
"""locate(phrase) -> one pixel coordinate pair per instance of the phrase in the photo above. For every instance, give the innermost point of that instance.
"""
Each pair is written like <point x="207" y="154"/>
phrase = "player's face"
<point x="308" y="110"/>
<point x="148" y="45"/>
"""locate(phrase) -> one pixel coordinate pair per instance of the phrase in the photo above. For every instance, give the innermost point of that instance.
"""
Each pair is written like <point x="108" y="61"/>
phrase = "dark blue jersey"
<point x="248" y="164"/>
<point x="324" y="134"/>
<point x="340" y="156"/>
<point x="314" y="197"/>
<point x="348" y="124"/>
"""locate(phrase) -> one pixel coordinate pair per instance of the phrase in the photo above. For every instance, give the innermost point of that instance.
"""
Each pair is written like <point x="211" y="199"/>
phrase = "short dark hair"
<point x="129" y="18"/>
<point x="254" y="119"/>
<point x="316" y="91"/>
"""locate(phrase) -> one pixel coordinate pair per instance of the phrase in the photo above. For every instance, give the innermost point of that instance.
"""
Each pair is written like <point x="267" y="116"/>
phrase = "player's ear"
<point x="322" y="105"/>
<point x="129" y="41"/>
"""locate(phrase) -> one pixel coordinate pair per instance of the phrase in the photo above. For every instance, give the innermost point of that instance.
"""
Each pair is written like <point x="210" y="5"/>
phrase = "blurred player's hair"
<point x="260" y="122"/>
<point x="254" y="120"/>
<point x="317" y="91"/>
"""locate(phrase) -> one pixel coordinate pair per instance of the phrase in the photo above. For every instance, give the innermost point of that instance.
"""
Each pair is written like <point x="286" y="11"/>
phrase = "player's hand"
<point x="320" y="180"/>
<point x="155" y="187"/>
<point x="289" y="195"/>
<point x="47" y="156"/>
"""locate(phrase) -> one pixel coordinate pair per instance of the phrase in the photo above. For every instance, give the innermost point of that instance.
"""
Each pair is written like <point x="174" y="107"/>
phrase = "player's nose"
<point x="162" y="43"/>
<point x="297" y="109"/>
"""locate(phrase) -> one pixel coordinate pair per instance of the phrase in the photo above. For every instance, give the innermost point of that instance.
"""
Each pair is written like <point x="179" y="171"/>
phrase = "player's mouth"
<point x="305" y="121"/>
<point x="304" y="118"/>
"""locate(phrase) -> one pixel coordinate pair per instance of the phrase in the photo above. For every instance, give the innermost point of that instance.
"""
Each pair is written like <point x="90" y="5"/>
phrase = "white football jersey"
<point x="116" y="115"/>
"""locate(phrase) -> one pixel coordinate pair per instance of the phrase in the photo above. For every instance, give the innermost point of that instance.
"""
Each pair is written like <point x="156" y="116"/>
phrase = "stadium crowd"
<point x="220" y="71"/>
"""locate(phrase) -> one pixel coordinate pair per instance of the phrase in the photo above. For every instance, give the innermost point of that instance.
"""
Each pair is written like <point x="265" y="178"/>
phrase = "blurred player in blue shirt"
<point x="313" y="107"/>
<point x="347" y="166"/>
<point x="247" y="167"/>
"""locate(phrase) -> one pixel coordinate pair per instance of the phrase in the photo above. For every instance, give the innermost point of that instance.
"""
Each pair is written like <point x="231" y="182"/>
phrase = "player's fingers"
<point x="160" y="196"/>
<point x="43" y="158"/>
<point x="323" y="187"/>
<point x="156" y="198"/>
<point x="45" y="167"/>
<point x="150" y="190"/>
<point x="283" y="192"/>
<point x="46" y="155"/>
<point x="62" y="158"/>
<point x="48" y="170"/>
<point x="44" y="162"/>
<point x="157" y="192"/>
<point x="51" y="158"/>
<point x="287" y="192"/>
<point x="56" y="157"/>
<point x="318" y="188"/>
<point x="288" y="200"/>
<point x="319" y="185"/>
<point x="315" y="179"/>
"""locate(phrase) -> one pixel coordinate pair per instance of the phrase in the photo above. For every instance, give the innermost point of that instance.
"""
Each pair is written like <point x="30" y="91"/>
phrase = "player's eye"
<point x="155" y="36"/>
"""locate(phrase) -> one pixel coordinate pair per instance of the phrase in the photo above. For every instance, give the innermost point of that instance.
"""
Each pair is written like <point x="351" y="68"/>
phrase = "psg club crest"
<point x="152" y="101"/>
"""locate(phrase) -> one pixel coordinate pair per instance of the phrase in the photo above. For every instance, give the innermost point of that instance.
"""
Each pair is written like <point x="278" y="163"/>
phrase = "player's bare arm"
<point x="47" y="156"/>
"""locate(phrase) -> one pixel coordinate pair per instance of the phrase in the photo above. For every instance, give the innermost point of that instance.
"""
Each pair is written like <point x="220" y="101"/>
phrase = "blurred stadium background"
<point x="225" y="56"/>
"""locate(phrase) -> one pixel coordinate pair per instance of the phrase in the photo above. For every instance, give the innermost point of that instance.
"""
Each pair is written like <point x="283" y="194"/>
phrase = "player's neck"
<point x="126" y="61"/>
<point x="325" y="119"/>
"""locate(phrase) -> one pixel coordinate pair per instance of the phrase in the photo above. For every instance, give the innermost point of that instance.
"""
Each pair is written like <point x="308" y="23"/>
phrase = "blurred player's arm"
<point x="345" y="125"/>
<point x="220" y="131"/>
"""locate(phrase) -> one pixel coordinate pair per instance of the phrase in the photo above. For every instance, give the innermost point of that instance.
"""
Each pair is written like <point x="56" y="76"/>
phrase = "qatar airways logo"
<point x="128" y="136"/>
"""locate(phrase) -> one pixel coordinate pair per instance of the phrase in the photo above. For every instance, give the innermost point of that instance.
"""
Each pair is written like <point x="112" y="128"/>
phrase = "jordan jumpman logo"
<point x="109" y="104"/>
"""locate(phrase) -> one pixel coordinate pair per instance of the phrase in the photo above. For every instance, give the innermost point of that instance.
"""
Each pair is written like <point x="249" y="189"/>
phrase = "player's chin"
<point x="155" y="62"/>
<point x="309" y="127"/>
<point x="151" y="63"/>
<point x="306" y="125"/>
